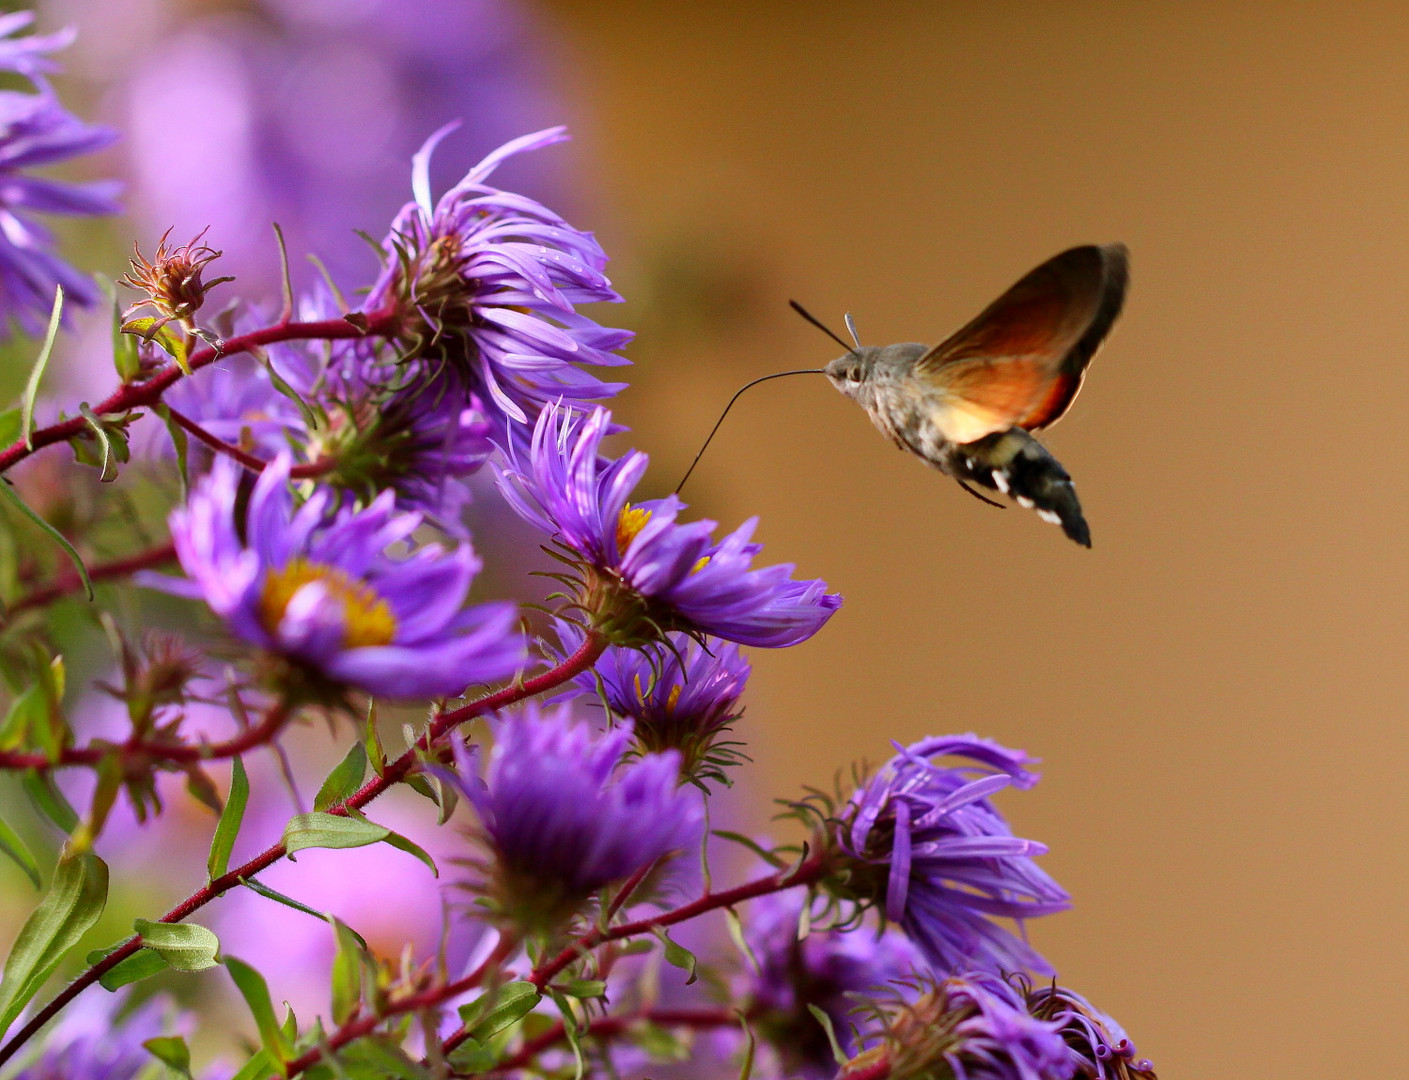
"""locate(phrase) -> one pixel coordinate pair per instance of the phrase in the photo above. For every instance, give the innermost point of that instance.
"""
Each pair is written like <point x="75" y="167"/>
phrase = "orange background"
<point x="1218" y="689"/>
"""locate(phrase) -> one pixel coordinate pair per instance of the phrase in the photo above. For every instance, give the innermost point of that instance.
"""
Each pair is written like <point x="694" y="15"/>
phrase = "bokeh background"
<point x="1218" y="689"/>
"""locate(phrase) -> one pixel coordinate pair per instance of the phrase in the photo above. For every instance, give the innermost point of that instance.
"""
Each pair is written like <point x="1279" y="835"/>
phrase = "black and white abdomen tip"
<point x="1015" y="464"/>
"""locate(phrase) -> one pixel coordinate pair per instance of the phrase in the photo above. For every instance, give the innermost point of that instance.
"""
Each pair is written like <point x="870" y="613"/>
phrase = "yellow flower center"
<point x="632" y="520"/>
<point x="672" y="699"/>
<point x="367" y="618"/>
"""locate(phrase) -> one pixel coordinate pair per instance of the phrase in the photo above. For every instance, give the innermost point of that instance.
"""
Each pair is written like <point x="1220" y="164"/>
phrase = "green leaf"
<point x="172" y="1051"/>
<point x="826" y="1022"/>
<point x="11" y="426"/>
<point x="736" y="931"/>
<point x="142" y="964"/>
<point x="228" y="827"/>
<point x="255" y="991"/>
<point x="753" y="845"/>
<point x="173" y="344"/>
<point x="344" y="780"/>
<point x="677" y="955"/>
<point x="49" y="800"/>
<point x="584" y="988"/>
<point x="385" y="1059"/>
<point x="184" y="946"/>
<point x="471" y="1058"/>
<point x="57" y="536"/>
<point x="260" y="1067"/>
<point x="265" y="891"/>
<point x="491" y="1013"/>
<point x="572" y="1032"/>
<point x="126" y="358"/>
<point x="17" y="849"/>
<point x="320" y="830"/>
<point x="36" y="373"/>
<point x="347" y="971"/>
<point x="74" y="902"/>
<point x="401" y="843"/>
<point x="309" y="413"/>
<point x="746" y="1068"/>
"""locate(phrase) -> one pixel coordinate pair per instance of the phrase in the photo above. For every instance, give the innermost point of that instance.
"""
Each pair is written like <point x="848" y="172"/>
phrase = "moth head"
<point x="849" y="373"/>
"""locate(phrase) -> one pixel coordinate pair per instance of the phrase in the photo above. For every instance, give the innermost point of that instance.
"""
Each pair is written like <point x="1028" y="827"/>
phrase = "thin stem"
<point x="136" y="395"/>
<point x="606" y="1027"/>
<point x="178" y="753"/>
<point x="69" y="581"/>
<point x="805" y="873"/>
<point x="358" y="1026"/>
<point x="254" y="464"/>
<point x="395" y="771"/>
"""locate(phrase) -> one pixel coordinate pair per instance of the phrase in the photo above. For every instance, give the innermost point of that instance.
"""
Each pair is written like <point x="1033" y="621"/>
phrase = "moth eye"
<point x="853" y="375"/>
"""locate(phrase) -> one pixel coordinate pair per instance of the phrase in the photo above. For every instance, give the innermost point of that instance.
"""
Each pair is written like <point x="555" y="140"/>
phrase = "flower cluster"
<point x="325" y="459"/>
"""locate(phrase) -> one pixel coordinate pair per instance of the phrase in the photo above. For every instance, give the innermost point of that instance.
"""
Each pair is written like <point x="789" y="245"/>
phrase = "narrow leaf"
<point x="142" y="964"/>
<point x="74" y="902"/>
<point x="826" y="1022"/>
<point x="753" y="845"/>
<point x="736" y="932"/>
<point x="228" y="827"/>
<point x="49" y="800"/>
<point x="288" y="285"/>
<point x="344" y="780"/>
<point x="108" y="471"/>
<point x="58" y="537"/>
<point x="13" y="846"/>
<point x="36" y="373"/>
<point x="126" y="358"/>
<point x="288" y="901"/>
<point x="320" y="830"/>
<point x="677" y="955"/>
<point x="401" y="843"/>
<point x="347" y="971"/>
<point x="491" y="1013"/>
<point x="184" y="946"/>
<point x="260" y="1067"/>
<point x="584" y="988"/>
<point x="255" y="991"/>
<point x="379" y="1057"/>
<point x="746" y="1068"/>
<point x="172" y="1051"/>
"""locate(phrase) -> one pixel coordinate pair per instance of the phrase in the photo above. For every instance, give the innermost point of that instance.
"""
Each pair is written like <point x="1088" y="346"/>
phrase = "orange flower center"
<point x="366" y="617"/>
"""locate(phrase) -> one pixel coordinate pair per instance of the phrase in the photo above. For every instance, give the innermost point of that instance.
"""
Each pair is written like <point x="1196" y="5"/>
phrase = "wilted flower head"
<point x="643" y="573"/>
<point x="485" y="282"/>
<point x="172" y="281"/>
<point x="563" y="816"/>
<point x="1102" y="1049"/>
<point x="314" y="585"/>
<point x="932" y="850"/>
<point x="35" y="130"/>
<point x="971" y="1027"/>
<point x="679" y="694"/>
<point x="833" y="970"/>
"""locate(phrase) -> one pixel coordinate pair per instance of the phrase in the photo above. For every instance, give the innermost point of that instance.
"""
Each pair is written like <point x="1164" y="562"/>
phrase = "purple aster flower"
<point x="26" y="55"/>
<point x="679" y="694"/>
<point x="974" y="1027"/>
<point x="644" y="572"/>
<point x="563" y="815"/>
<point x="314" y="585"/>
<point x="1101" y="1047"/>
<point x="940" y="859"/>
<point x="35" y="130"/>
<point x="834" y="970"/>
<point x="486" y="282"/>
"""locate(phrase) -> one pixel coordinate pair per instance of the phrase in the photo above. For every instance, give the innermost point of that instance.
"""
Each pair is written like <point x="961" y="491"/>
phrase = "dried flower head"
<point x="172" y="282"/>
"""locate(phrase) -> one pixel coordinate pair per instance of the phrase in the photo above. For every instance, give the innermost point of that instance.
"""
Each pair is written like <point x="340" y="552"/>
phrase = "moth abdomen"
<point x="1015" y="464"/>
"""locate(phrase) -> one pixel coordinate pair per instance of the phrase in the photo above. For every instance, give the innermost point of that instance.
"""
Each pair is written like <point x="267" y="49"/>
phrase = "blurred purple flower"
<point x="309" y="107"/>
<point x="1102" y="1049"/>
<point x="315" y="585"/>
<point x="564" y="816"/>
<point x="833" y="970"/>
<point x="646" y="572"/>
<point x="942" y="859"/>
<point x="35" y="130"/>
<point x="486" y="282"/>
<point x="90" y="1042"/>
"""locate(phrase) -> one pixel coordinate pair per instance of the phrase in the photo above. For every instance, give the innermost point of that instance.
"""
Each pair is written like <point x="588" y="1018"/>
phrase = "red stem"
<point x="392" y="773"/>
<point x="605" y="1027"/>
<point x="69" y="581"/>
<point x="805" y="873"/>
<point x="93" y="753"/>
<point x="131" y="396"/>
<point x="248" y="460"/>
<point x="876" y="1070"/>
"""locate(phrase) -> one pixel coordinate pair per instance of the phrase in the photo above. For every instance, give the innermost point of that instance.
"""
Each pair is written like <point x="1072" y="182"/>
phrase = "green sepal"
<point x="184" y="946"/>
<point x="231" y="816"/>
<point x="74" y="902"/>
<point x="255" y="991"/>
<point x="344" y="780"/>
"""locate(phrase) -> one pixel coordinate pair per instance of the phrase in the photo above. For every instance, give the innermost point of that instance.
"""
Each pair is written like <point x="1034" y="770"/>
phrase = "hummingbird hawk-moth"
<point x="968" y="405"/>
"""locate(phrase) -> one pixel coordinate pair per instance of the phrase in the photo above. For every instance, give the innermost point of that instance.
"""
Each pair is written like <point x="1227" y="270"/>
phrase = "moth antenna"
<point x="820" y="326"/>
<point x="737" y="393"/>
<point x="851" y="328"/>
